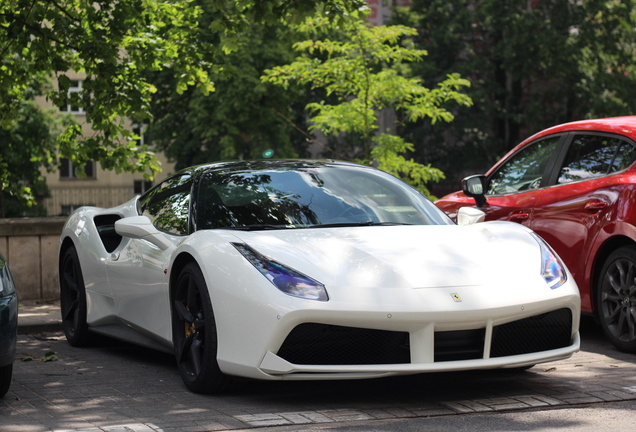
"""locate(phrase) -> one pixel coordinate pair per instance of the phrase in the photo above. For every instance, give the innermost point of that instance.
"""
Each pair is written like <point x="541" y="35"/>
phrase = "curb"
<point x="37" y="317"/>
<point x="39" y="328"/>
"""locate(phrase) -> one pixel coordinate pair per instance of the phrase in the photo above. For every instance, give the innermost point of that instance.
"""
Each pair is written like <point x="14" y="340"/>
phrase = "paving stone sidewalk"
<point x="112" y="386"/>
<point x="39" y="316"/>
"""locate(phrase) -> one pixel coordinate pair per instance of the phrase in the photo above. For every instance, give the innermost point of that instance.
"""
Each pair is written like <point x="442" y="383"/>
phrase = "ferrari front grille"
<point x="322" y="344"/>
<point x="543" y="332"/>
<point x="459" y="345"/>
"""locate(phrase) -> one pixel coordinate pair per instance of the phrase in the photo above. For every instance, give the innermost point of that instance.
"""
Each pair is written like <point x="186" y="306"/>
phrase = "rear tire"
<point x="616" y="298"/>
<point x="194" y="334"/>
<point x="73" y="299"/>
<point x="5" y="378"/>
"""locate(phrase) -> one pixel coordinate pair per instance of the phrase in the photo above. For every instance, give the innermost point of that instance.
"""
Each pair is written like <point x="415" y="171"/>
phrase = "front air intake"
<point x="543" y="332"/>
<point x="322" y="344"/>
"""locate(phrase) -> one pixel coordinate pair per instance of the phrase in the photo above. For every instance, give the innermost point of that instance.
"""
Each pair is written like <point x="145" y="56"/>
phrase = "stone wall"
<point x="30" y="246"/>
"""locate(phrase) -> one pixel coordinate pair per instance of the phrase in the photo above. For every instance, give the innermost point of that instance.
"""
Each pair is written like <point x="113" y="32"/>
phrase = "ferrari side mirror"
<point x="475" y="186"/>
<point x="140" y="227"/>
<point x="469" y="216"/>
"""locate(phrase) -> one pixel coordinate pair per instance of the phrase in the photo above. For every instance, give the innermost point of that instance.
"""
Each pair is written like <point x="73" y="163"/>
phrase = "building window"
<point x="76" y="87"/>
<point x="141" y="186"/>
<point x="69" y="172"/>
<point x="139" y="129"/>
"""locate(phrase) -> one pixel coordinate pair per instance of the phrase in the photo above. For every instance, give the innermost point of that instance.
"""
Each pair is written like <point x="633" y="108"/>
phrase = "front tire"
<point x="73" y="299"/>
<point x="194" y="333"/>
<point x="616" y="298"/>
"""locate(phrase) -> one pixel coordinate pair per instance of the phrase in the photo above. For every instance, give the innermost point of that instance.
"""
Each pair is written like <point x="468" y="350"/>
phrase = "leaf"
<point x="48" y="357"/>
<point x="362" y="70"/>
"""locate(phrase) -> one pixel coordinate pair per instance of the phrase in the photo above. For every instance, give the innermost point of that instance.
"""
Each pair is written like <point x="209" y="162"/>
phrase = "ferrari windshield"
<point x="306" y="197"/>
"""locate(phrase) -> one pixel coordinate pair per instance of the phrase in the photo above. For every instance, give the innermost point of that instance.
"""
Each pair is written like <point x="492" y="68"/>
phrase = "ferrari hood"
<point x="403" y="256"/>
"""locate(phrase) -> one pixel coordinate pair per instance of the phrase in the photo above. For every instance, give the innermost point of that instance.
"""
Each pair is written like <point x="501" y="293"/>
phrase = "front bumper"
<point x="427" y="332"/>
<point x="316" y="352"/>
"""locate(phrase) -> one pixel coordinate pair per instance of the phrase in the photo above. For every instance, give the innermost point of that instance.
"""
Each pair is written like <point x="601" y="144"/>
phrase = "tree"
<point x="362" y="70"/>
<point x="27" y="145"/>
<point x="243" y="118"/>
<point x="532" y="64"/>
<point x="115" y="43"/>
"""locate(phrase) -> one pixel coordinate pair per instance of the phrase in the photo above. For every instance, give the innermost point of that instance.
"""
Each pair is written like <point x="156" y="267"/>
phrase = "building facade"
<point x="381" y="10"/>
<point x="99" y="187"/>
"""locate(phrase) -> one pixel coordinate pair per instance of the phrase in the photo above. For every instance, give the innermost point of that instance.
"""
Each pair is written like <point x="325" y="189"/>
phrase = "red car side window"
<point x="592" y="156"/>
<point x="525" y="170"/>
<point x="624" y="158"/>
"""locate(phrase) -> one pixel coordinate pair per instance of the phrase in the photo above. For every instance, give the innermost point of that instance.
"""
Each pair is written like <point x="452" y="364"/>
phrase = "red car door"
<point x="515" y="208"/>
<point x="570" y="214"/>
<point x="514" y="185"/>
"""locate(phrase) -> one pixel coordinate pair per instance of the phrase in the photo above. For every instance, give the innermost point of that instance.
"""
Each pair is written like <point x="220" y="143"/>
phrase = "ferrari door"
<point x="137" y="273"/>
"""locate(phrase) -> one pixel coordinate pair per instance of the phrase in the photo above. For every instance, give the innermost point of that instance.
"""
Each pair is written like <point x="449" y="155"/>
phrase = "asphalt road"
<point x="116" y="387"/>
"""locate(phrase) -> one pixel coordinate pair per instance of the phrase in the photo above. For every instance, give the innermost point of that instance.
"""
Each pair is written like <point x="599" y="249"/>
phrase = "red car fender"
<point x="599" y="250"/>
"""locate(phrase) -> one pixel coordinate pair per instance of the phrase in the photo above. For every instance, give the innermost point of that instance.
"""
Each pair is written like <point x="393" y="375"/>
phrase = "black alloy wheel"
<point x="194" y="333"/>
<point x="616" y="298"/>
<point x="73" y="299"/>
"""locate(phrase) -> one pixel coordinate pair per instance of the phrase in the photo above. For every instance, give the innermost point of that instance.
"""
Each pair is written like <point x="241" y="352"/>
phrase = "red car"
<point x="575" y="185"/>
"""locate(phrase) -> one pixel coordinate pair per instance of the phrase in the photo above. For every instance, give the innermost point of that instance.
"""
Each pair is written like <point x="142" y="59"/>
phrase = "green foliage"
<point x="112" y="42"/>
<point x="388" y="153"/>
<point x="27" y="145"/>
<point x="49" y="356"/>
<point x="362" y="70"/>
<point x="116" y="43"/>
<point x="531" y="64"/>
<point x="244" y="118"/>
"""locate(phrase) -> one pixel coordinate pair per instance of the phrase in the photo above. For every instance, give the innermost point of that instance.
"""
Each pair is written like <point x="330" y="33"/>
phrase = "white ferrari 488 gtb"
<point x="312" y="270"/>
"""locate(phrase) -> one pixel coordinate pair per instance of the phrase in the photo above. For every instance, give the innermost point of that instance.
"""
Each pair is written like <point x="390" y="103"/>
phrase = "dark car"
<point x="575" y="185"/>
<point x="8" y="326"/>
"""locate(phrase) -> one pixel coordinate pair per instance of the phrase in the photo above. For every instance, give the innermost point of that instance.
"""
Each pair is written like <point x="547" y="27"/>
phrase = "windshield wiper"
<point x="265" y="227"/>
<point x="357" y="224"/>
<point x="257" y="227"/>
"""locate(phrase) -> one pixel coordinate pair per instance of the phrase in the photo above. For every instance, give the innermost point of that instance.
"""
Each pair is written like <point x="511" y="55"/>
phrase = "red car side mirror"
<point x="475" y="186"/>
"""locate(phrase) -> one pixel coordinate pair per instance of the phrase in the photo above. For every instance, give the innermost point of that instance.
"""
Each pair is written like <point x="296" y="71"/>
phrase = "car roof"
<point x="621" y="125"/>
<point x="264" y="164"/>
<point x="625" y="126"/>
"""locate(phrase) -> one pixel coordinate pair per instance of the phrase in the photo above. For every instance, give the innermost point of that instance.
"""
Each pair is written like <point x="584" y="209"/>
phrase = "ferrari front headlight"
<point x="552" y="269"/>
<point x="287" y="280"/>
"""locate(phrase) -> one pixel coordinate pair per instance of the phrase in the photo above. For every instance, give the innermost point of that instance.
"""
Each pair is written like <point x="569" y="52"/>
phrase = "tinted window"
<point x="524" y="171"/>
<point x="625" y="157"/>
<point x="168" y="205"/>
<point x="304" y="197"/>
<point x="592" y="156"/>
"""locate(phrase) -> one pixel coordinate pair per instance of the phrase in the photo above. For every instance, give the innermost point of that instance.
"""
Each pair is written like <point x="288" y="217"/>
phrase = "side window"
<point x="524" y="171"/>
<point x="592" y="156"/>
<point x="168" y="205"/>
<point x="624" y="158"/>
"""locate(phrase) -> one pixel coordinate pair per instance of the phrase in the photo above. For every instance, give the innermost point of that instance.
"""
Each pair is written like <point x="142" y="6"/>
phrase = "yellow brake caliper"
<point x="189" y="327"/>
